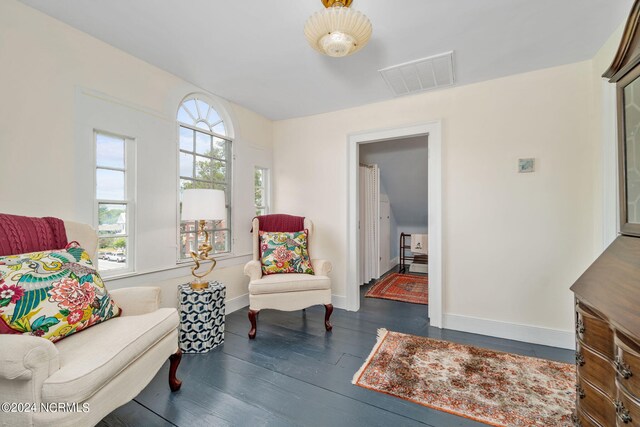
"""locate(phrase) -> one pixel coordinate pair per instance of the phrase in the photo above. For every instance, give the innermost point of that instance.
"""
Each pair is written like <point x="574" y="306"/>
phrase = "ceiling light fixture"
<point x="337" y="30"/>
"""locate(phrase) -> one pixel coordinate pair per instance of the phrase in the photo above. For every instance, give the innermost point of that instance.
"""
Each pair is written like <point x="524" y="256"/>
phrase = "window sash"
<point x="128" y="201"/>
<point x="265" y="188"/>
<point x="213" y="183"/>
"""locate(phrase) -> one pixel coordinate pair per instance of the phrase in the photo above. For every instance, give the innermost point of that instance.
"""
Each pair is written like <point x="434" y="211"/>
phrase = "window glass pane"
<point x="203" y="126"/>
<point x="188" y="243"/>
<point x="203" y="143"/>
<point x="186" y="165"/>
<point x="189" y="183"/>
<point x="211" y="170"/>
<point x="109" y="151"/>
<point x="112" y="219"/>
<point x="220" y="241"/>
<point x="260" y="211"/>
<point x="219" y="148"/>
<point x="259" y="190"/>
<point x="190" y="106"/>
<point x="183" y="116"/>
<point x="188" y="226"/>
<point x="259" y="198"/>
<point x="219" y="129"/>
<point x="109" y="184"/>
<point x="217" y="224"/>
<point x="186" y="139"/>
<point x="214" y="117"/>
<point x="112" y="253"/>
<point x="203" y="108"/>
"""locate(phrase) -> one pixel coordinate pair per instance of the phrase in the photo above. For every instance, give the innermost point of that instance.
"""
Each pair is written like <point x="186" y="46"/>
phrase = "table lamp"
<point x="202" y="205"/>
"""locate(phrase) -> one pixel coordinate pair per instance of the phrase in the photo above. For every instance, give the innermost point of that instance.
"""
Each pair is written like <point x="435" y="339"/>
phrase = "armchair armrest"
<point x="27" y="358"/>
<point x="136" y="301"/>
<point x="253" y="269"/>
<point x="321" y="267"/>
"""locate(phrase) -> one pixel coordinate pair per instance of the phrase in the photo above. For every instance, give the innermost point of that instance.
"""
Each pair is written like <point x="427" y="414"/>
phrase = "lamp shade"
<point x="204" y="204"/>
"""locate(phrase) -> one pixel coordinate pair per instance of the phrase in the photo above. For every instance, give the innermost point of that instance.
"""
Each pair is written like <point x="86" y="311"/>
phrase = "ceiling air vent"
<point x="430" y="73"/>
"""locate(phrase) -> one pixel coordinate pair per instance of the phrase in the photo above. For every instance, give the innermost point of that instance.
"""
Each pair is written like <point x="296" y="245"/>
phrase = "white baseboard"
<point x="512" y="331"/>
<point x="339" y="301"/>
<point x="235" y="304"/>
<point x="395" y="261"/>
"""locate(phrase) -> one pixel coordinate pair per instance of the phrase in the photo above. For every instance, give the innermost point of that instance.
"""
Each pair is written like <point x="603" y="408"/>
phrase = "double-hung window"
<point x="204" y="162"/>
<point x="261" y="191"/>
<point x="115" y="191"/>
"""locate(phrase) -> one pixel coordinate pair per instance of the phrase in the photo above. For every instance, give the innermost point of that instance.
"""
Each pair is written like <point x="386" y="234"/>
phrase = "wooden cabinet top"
<point x="612" y="284"/>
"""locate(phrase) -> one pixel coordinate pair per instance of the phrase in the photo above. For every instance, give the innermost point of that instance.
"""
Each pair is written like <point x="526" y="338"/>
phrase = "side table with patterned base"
<point x="201" y="317"/>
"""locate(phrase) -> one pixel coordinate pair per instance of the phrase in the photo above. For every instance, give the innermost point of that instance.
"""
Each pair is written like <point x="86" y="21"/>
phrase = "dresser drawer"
<point x="593" y="402"/>
<point x="594" y="368"/>
<point x="580" y="419"/>
<point x="627" y="363"/>
<point x="627" y="410"/>
<point x="594" y="331"/>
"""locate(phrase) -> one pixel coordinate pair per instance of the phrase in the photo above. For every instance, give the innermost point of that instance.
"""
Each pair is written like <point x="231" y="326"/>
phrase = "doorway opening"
<point x="393" y="219"/>
<point x="430" y="132"/>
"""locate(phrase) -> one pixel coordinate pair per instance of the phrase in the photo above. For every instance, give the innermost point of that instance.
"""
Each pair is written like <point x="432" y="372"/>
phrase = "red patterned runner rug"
<point x="496" y="388"/>
<point x="401" y="287"/>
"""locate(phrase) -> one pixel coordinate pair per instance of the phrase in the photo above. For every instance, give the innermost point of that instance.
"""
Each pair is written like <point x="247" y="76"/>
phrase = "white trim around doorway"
<point x="434" y="132"/>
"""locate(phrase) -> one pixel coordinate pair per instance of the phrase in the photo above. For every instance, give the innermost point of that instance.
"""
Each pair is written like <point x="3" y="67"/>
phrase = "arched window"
<point x="205" y="162"/>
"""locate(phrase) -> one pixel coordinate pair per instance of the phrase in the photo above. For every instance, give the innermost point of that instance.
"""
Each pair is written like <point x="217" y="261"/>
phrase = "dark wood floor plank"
<point x="133" y="414"/>
<point x="330" y="408"/>
<point x="199" y="403"/>
<point x="297" y="374"/>
<point x="336" y="378"/>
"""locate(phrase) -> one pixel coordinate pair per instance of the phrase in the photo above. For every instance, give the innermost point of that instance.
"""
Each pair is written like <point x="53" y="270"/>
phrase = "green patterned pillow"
<point x="285" y="253"/>
<point x="52" y="294"/>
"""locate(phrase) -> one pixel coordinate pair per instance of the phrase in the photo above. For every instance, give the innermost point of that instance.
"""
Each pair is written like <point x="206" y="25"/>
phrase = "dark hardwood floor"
<point x="295" y="374"/>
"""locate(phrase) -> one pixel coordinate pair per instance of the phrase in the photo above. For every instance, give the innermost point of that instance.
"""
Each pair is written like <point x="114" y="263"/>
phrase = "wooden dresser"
<point x="607" y="295"/>
<point x="608" y="338"/>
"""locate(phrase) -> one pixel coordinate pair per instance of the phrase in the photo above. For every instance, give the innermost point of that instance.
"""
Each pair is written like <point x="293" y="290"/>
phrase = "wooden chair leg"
<point x="328" y="309"/>
<point x="253" y="314"/>
<point x="174" y="359"/>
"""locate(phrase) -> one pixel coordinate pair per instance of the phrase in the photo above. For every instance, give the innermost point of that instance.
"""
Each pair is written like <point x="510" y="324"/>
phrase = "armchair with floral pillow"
<point x="65" y="340"/>
<point x="282" y="274"/>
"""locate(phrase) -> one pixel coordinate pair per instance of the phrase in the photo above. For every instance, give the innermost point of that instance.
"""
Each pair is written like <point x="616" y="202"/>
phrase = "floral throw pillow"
<point x="285" y="253"/>
<point x="52" y="294"/>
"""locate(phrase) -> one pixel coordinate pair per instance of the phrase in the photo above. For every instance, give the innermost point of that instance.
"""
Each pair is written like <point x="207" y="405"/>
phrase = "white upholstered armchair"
<point x="102" y="367"/>
<point x="287" y="292"/>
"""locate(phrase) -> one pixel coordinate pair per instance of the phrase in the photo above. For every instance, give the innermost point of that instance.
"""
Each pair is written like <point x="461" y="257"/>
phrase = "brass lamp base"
<point x="198" y="283"/>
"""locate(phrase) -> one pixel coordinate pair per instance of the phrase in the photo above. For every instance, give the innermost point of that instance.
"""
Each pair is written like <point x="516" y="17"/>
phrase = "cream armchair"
<point x="101" y="368"/>
<point x="287" y="292"/>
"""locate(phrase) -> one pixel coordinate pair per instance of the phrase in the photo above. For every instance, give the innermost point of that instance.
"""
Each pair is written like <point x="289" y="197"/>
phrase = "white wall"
<point x="57" y="83"/>
<point x="513" y="243"/>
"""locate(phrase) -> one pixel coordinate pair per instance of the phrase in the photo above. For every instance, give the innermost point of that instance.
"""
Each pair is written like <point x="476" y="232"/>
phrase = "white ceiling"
<point x="403" y="175"/>
<point x="255" y="54"/>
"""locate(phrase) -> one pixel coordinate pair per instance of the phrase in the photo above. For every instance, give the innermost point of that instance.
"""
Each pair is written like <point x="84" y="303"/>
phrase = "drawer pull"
<point x="580" y="330"/>
<point x="575" y="420"/>
<point x="622" y="412"/>
<point x="579" y="359"/>
<point x="623" y="370"/>
<point x="580" y="391"/>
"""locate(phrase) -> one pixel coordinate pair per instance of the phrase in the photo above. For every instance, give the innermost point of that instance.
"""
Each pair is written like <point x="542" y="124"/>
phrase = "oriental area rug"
<point x="496" y="388"/>
<point x="401" y="287"/>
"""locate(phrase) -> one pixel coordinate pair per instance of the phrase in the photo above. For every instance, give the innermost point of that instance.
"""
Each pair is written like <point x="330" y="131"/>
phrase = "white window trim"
<point x="130" y="199"/>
